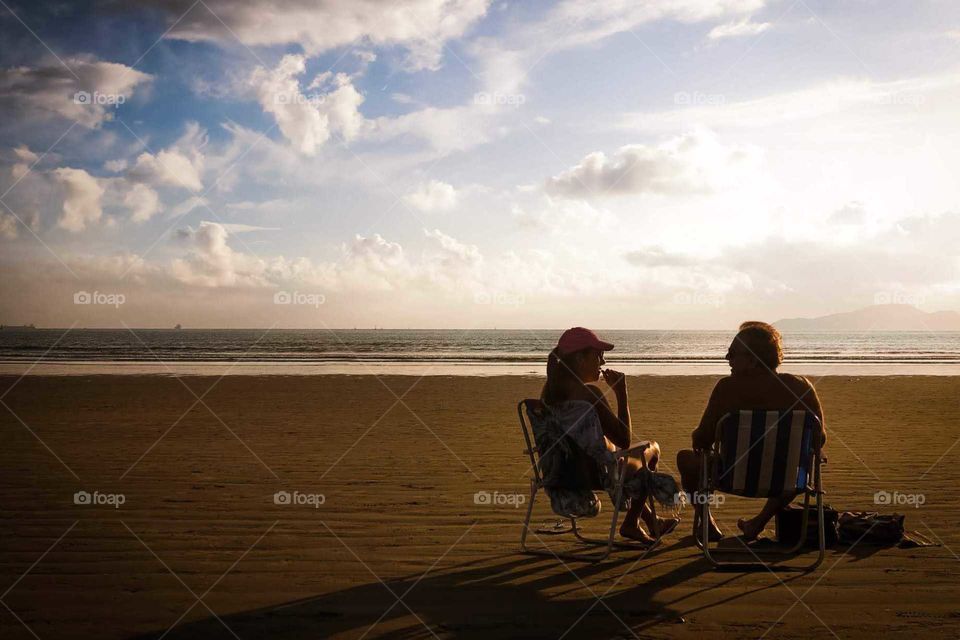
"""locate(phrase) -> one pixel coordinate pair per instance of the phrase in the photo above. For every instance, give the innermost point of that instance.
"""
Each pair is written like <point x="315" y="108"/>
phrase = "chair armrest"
<point x="636" y="451"/>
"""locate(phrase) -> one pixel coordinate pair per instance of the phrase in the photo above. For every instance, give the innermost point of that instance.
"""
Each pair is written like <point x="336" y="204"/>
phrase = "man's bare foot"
<point x="750" y="529"/>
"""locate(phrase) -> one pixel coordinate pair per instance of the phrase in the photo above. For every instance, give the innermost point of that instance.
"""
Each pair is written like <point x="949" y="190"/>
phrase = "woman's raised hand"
<point x="615" y="379"/>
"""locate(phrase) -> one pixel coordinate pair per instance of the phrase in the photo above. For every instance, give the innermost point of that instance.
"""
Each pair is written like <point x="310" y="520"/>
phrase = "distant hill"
<point x="881" y="317"/>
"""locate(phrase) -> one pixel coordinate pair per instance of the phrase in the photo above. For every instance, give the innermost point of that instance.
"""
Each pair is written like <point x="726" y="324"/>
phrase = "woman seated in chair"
<point x="754" y="383"/>
<point x="586" y="416"/>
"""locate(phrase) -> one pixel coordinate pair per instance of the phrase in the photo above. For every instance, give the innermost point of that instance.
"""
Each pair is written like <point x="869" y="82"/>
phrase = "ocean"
<point x="449" y="352"/>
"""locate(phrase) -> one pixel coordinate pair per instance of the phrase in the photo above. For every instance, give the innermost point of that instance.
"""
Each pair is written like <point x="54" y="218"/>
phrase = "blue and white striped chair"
<point x="762" y="454"/>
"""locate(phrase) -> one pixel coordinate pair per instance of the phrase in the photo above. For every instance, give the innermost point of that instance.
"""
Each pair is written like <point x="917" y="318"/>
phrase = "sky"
<point x="661" y="164"/>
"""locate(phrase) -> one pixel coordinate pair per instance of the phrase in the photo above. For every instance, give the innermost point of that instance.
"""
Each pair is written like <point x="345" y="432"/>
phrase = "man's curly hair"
<point x="764" y="341"/>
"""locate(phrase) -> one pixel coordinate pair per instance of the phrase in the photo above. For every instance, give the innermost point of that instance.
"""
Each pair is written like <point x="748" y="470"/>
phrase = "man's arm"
<point x="811" y="402"/>
<point x="704" y="435"/>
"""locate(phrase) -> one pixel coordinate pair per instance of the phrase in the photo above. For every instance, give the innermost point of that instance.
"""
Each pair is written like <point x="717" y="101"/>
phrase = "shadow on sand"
<point x="510" y="595"/>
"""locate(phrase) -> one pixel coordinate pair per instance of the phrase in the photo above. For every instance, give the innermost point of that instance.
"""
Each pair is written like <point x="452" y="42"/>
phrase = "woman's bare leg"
<point x="639" y="509"/>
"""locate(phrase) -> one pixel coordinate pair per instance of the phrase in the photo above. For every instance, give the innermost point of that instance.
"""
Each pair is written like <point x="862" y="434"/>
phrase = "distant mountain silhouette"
<point x="880" y="317"/>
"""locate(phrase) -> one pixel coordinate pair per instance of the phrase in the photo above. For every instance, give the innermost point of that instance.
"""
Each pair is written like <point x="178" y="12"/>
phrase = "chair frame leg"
<point x="608" y="544"/>
<point x="769" y="558"/>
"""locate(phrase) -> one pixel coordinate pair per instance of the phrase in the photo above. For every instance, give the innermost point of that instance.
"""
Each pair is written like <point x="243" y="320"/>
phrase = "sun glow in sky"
<point x="465" y="163"/>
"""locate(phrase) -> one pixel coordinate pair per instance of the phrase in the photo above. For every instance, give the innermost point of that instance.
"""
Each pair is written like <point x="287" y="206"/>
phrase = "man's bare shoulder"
<point x="724" y="383"/>
<point x="795" y="382"/>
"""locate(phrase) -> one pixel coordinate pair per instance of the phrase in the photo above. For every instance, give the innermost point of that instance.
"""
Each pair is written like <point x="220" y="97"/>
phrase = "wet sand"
<point x="398" y="547"/>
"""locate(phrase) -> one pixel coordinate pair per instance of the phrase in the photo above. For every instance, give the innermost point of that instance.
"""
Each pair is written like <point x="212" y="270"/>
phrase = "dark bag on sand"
<point x="790" y="519"/>
<point x="871" y="527"/>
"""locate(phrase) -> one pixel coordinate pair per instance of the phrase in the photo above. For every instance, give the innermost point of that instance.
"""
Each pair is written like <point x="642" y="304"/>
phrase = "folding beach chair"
<point x="763" y="454"/>
<point x="550" y="448"/>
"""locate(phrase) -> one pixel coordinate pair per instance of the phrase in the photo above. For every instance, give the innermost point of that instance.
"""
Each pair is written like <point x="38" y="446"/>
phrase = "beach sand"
<point x="399" y="548"/>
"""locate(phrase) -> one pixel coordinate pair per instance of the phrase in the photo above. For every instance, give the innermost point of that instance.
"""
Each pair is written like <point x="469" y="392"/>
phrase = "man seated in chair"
<point x="753" y="383"/>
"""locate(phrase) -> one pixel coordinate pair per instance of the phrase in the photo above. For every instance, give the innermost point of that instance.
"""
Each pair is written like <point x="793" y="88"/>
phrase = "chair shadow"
<point x="510" y="595"/>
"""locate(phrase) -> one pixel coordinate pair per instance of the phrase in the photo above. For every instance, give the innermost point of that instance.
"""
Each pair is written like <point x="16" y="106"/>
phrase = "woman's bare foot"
<point x="750" y="529"/>
<point x="635" y="532"/>
<point x="714" y="535"/>
<point x="664" y="525"/>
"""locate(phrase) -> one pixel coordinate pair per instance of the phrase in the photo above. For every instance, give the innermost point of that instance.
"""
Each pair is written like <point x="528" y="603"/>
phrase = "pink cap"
<point x="579" y="338"/>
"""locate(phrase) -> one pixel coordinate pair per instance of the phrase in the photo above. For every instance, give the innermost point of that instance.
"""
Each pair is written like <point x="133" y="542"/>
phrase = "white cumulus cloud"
<point x="85" y="90"/>
<point x="433" y="196"/>
<point x="695" y="162"/>
<point x="82" y="198"/>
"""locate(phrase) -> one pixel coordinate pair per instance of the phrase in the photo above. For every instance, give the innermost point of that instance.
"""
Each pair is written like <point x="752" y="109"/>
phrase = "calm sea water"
<point x="448" y="346"/>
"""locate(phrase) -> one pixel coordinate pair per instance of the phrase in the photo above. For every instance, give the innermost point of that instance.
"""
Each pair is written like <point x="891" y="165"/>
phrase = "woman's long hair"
<point x="560" y="377"/>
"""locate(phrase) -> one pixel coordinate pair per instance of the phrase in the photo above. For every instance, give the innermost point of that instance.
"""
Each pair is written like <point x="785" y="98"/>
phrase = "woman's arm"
<point x="616" y="426"/>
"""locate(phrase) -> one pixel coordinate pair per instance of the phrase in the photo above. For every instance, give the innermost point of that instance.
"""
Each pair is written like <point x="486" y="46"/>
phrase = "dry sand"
<point x="399" y="548"/>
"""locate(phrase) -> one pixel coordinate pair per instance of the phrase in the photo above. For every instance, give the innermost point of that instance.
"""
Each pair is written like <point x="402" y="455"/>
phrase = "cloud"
<point x="455" y="252"/>
<point x="212" y="263"/>
<point x="25" y="160"/>
<point x="82" y="198"/>
<point x="186" y="206"/>
<point x="863" y="99"/>
<point x="577" y="23"/>
<point x="8" y="226"/>
<point x="561" y="216"/>
<point x="737" y="29"/>
<point x="656" y="256"/>
<point x="180" y="165"/>
<point x="421" y="27"/>
<point x="143" y="202"/>
<point x="446" y="130"/>
<point x="688" y="164"/>
<point x="52" y="90"/>
<point x="852" y="212"/>
<point x="432" y="196"/>
<point x="307" y="121"/>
